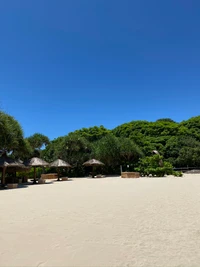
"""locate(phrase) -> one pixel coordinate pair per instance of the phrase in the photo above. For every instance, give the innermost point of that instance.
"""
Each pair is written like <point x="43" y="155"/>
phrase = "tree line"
<point x="125" y="145"/>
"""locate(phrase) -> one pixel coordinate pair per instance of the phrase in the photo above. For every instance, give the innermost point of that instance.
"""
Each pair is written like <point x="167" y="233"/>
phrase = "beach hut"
<point x="7" y="162"/>
<point x="36" y="162"/>
<point x="59" y="163"/>
<point x="93" y="163"/>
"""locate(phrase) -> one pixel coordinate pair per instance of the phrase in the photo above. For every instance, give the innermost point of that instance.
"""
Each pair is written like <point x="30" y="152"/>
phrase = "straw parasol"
<point x="59" y="163"/>
<point x="93" y="163"/>
<point x="36" y="162"/>
<point x="6" y="162"/>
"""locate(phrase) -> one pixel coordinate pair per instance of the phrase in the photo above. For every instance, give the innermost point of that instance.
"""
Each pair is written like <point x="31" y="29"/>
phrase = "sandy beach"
<point x="102" y="222"/>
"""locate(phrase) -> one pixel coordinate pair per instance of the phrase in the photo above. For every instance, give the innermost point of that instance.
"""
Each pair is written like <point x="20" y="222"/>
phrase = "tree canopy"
<point x="37" y="141"/>
<point x="11" y="134"/>
<point x="177" y="142"/>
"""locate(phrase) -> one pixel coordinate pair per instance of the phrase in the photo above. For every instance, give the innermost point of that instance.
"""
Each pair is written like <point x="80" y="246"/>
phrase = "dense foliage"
<point x="12" y="139"/>
<point x="11" y="136"/>
<point x="127" y="145"/>
<point x="178" y="143"/>
<point x="154" y="166"/>
<point x="37" y="141"/>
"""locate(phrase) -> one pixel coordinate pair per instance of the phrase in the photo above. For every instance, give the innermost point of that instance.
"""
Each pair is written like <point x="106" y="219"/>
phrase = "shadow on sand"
<point x="26" y="185"/>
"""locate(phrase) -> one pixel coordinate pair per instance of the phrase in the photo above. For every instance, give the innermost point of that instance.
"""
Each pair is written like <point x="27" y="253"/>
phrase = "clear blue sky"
<point x="68" y="64"/>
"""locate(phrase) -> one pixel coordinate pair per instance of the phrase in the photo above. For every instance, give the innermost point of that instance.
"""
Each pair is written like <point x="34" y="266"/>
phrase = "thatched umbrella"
<point x="93" y="163"/>
<point x="59" y="163"/>
<point x="36" y="162"/>
<point x="6" y="162"/>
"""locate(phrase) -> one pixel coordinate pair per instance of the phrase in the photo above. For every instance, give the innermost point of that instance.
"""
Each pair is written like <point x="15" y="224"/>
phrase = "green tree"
<point x="11" y="134"/>
<point x="107" y="149"/>
<point x="25" y="152"/>
<point x="193" y="125"/>
<point x="37" y="141"/>
<point x="75" y="149"/>
<point x="129" y="152"/>
<point x="152" y="166"/>
<point x="53" y="150"/>
<point x="124" y="145"/>
<point x="183" y="151"/>
<point x="93" y="133"/>
<point x="165" y="120"/>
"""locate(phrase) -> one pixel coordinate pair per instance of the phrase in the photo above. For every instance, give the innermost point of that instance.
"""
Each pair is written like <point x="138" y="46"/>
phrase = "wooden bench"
<point x="11" y="186"/>
<point x="64" y="178"/>
<point x="130" y="175"/>
<point x="49" y="176"/>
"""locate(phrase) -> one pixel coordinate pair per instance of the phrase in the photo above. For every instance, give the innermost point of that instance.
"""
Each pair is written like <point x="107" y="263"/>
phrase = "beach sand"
<point x="102" y="222"/>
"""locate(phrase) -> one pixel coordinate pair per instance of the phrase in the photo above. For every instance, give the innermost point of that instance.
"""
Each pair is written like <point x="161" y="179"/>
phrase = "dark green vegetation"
<point x="155" y="166"/>
<point x="13" y="142"/>
<point x="127" y="144"/>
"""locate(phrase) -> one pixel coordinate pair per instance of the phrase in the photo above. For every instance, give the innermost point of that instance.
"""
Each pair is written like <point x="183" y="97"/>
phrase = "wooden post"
<point x="58" y="170"/>
<point x="34" y="180"/>
<point x="3" y="176"/>
<point x="93" y="171"/>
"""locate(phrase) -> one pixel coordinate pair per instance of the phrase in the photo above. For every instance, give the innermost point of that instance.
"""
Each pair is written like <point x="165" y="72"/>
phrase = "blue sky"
<point x="68" y="64"/>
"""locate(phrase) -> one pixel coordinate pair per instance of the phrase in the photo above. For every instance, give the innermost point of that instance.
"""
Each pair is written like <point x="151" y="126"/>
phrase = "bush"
<point x="30" y="173"/>
<point x="177" y="174"/>
<point x="154" y="166"/>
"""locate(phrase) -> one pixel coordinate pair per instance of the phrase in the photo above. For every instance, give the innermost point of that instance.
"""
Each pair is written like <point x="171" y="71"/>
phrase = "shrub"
<point x="177" y="174"/>
<point x="154" y="166"/>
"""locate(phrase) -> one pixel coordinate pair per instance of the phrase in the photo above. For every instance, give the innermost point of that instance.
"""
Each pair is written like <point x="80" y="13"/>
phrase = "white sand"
<point x="102" y="222"/>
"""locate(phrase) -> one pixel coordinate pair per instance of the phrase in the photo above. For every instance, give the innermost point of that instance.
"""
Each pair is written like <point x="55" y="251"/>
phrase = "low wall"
<point x="41" y="181"/>
<point x="64" y="178"/>
<point x="49" y="176"/>
<point x="130" y="175"/>
<point x="11" y="186"/>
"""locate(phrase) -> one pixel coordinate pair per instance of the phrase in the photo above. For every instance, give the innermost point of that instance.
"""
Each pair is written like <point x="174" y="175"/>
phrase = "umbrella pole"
<point x="3" y="176"/>
<point x="34" y="180"/>
<point x="92" y="171"/>
<point x="58" y="170"/>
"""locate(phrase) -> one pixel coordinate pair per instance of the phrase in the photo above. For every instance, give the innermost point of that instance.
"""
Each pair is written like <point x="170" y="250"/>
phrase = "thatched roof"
<point x="60" y="163"/>
<point x="6" y="161"/>
<point x="36" y="162"/>
<point x="93" y="162"/>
